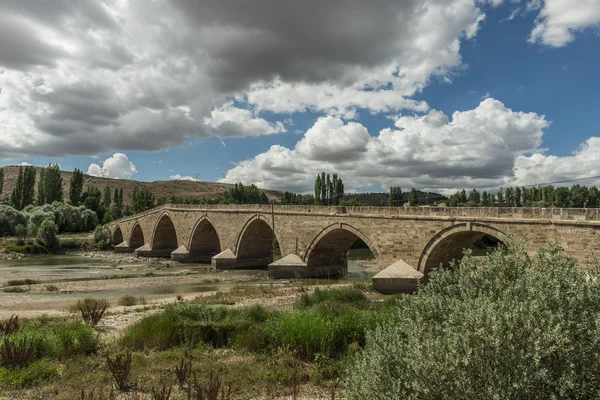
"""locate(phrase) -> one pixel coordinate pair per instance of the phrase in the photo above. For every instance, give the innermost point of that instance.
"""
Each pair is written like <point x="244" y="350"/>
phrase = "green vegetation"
<point x="130" y="300"/>
<point x="76" y="187"/>
<point x="240" y="194"/>
<point x="328" y="190"/>
<point x="511" y="326"/>
<point x="31" y="354"/>
<point x="15" y="289"/>
<point x="395" y="197"/>
<point x="52" y="288"/>
<point x="50" y="185"/>
<point x="24" y="192"/>
<point x="22" y="282"/>
<point x="92" y="310"/>
<point x="143" y="200"/>
<point x="1" y="180"/>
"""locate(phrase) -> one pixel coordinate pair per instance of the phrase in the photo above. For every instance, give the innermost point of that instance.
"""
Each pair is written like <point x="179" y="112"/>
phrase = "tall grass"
<point x="317" y="326"/>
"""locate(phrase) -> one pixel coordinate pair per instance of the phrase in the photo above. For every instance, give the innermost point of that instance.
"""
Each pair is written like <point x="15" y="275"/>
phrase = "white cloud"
<point x="559" y="20"/>
<point x="24" y="164"/>
<point x="178" y="177"/>
<point x="87" y="78"/>
<point x="229" y="121"/>
<point x="118" y="166"/>
<point x="540" y="168"/>
<point x="476" y="148"/>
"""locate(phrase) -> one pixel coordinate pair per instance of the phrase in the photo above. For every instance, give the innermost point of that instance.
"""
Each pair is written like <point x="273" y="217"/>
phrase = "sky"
<point x="434" y="94"/>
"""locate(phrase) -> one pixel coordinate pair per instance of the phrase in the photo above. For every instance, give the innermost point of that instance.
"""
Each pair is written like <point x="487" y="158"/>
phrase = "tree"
<point x="47" y="234"/>
<point x="76" y="187"/>
<point x="561" y="197"/>
<point x="41" y="188"/>
<point x="578" y="196"/>
<point x="318" y="189"/>
<point x="17" y="195"/>
<point x="1" y="180"/>
<point x="518" y="200"/>
<point x="474" y="197"/>
<point x="24" y="192"/>
<point x="500" y="196"/>
<point x="413" y="198"/>
<point x="395" y="196"/>
<point x="485" y="200"/>
<point x="107" y="198"/>
<point x="52" y="185"/>
<point x="329" y="194"/>
<point x="92" y="199"/>
<point x="593" y="197"/>
<point x="117" y="204"/>
<point x="323" y="188"/>
<point x="143" y="199"/>
<point x="28" y="195"/>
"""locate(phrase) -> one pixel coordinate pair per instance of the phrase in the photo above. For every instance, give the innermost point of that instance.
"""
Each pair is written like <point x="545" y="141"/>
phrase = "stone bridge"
<point x="314" y="240"/>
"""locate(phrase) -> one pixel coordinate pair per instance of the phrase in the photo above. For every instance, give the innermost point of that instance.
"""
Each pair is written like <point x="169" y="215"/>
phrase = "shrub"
<point x="33" y="374"/>
<point x="102" y="237"/>
<point x="10" y="325"/>
<point x="92" y="310"/>
<point x="333" y="298"/>
<point x="120" y="368"/>
<point x="512" y="326"/>
<point x="15" y="289"/>
<point x="9" y="219"/>
<point x="18" y="350"/>
<point x="21" y="282"/>
<point x="130" y="300"/>
<point x="52" y="288"/>
<point x="69" y="243"/>
<point x="47" y="234"/>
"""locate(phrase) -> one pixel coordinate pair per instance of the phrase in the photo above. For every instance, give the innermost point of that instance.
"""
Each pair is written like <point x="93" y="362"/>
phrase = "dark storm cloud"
<point x="311" y="40"/>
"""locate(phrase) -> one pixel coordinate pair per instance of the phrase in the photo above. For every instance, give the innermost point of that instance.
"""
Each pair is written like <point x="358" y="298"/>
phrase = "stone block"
<point x="224" y="260"/>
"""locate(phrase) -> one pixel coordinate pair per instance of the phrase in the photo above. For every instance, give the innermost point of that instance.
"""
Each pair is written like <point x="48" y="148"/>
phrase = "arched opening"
<point x="255" y="247"/>
<point x="204" y="243"/>
<point x="137" y="237"/>
<point x="450" y="247"/>
<point x="330" y="254"/>
<point x="165" y="238"/>
<point x="117" y="237"/>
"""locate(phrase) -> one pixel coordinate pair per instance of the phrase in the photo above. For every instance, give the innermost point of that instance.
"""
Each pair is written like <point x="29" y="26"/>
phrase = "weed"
<point x="10" y="325"/>
<point x="120" y="368"/>
<point x="92" y="310"/>
<point x="211" y="389"/>
<point x="130" y="300"/>
<point x="92" y="395"/>
<point x="52" y="288"/>
<point x="18" y="350"/>
<point x="22" y="282"/>
<point x="163" y="393"/>
<point x="15" y="289"/>
<point x="183" y="371"/>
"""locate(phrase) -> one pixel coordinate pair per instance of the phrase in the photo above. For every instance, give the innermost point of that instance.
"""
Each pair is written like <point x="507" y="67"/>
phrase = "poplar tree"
<point x="76" y="187"/>
<point x="318" y="189"/>
<point x="41" y="188"/>
<point x="17" y="195"/>
<point x="52" y="185"/>
<point x="413" y="198"/>
<point x="395" y="196"/>
<point x="28" y="194"/>
<point x="1" y="180"/>
<point x="107" y="198"/>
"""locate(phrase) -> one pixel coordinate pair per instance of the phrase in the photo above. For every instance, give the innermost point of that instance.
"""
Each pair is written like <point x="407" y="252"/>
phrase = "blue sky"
<point x="526" y="90"/>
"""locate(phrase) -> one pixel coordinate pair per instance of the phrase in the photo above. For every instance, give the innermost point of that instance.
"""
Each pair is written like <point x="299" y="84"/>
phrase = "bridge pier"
<point x="124" y="247"/>
<point x="292" y="266"/>
<point x="224" y="260"/>
<point x="146" y="251"/>
<point x="397" y="278"/>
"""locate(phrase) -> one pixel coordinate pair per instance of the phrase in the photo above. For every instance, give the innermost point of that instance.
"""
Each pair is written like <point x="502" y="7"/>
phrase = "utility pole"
<point x="273" y="228"/>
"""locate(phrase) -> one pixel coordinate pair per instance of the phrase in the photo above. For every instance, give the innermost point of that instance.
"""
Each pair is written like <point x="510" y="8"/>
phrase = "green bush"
<point x="333" y="298"/>
<point x="47" y="234"/>
<point x="36" y="373"/>
<point x="21" y="282"/>
<point x="512" y="326"/>
<point x="130" y="300"/>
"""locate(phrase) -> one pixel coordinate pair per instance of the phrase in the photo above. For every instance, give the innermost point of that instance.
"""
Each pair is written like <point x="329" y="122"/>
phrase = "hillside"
<point x="181" y="189"/>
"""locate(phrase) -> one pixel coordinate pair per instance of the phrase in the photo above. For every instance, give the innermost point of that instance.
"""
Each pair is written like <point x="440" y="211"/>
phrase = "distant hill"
<point x="380" y="198"/>
<point x="180" y="189"/>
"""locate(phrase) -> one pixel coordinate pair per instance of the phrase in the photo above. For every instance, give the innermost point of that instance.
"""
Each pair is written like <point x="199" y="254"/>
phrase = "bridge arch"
<point x="136" y="239"/>
<point x="204" y="241"/>
<point x="117" y="236"/>
<point x="254" y="247"/>
<point x="330" y="247"/>
<point x="164" y="236"/>
<point x="449" y="244"/>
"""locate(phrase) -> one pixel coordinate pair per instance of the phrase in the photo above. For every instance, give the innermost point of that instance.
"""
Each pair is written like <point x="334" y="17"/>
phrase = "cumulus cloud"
<point x="93" y="77"/>
<point x="230" y="121"/>
<point x="475" y="148"/>
<point x="559" y="20"/>
<point x="118" y="166"/>
<point x="178" y="177"/>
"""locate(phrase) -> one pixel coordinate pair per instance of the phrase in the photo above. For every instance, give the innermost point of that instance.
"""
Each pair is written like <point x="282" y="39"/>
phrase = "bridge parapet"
<point x="530" y="213"/>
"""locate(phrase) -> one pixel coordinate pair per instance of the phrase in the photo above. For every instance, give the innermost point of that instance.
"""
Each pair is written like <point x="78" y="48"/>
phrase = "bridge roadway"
<point x="314" y="240"/>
